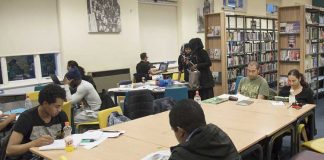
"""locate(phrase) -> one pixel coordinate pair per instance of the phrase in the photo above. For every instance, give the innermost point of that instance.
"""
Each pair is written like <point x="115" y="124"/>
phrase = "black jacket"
<point x="201" y="58"/>
<point x="207" y="143"/>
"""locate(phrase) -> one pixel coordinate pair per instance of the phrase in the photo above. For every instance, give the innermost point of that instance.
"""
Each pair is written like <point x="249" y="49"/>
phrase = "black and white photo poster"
<point x="104" y="16"/>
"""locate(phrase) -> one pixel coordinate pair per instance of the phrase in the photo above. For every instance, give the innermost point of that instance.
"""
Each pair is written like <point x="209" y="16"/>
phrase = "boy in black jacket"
<point x="198" y="140"/>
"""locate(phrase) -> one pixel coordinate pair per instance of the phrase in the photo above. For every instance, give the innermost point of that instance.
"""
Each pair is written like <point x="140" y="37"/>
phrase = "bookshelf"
<point x="301" y="44"/>
<point x="241" y="39"/>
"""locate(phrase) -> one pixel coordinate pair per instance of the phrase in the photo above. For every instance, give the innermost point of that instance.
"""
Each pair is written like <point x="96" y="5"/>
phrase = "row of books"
<point x="268" y="46"/>
<point x="234" y="47"/>
<point x="312" y="33"/>
<point x="310" y="62"/>
<point x="214" y="53"/>
<point x="314" y="18"/>
<point x="269" y="56"/>
<point x="309" y="76"/>
<point x="291" y="27"/>
<point x="311" y="48"/>
<point x="213" y="31"/>
<point x="290" y="55"/>
<point x="270" y="77"/>
<point x="233" y="73"/>
<point x="250" y="36"/>
<point x="267" y="67"/>
<point x="235" y="61"/>
<point x="251" y="47"/>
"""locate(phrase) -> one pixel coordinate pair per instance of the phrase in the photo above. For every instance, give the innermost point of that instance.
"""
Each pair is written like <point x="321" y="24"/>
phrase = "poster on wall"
<point x="206" y="7"/>
<point x="104" y="16"/>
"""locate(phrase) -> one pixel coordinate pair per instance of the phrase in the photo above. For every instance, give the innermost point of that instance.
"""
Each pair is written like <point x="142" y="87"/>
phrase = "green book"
<point x="215" y="100"/>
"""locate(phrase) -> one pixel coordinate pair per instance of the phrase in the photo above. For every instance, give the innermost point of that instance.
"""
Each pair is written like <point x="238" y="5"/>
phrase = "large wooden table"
<point x="245" y="125"/>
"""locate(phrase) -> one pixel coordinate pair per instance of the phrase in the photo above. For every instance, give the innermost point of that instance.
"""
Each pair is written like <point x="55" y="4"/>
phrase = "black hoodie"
<point x="201" y="58"/>
<point x="206" y="143"/>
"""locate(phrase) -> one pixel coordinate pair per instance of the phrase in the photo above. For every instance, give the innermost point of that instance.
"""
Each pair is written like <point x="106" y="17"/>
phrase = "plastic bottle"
<point x="197" y="97"/>
<point x="292" y="97"/>
<point x="68" y="137"/>
<point x="28" y="103"/>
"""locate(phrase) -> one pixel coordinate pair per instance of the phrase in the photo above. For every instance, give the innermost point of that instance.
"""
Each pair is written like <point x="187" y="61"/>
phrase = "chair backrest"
<point x="177" y="93"/>
<point x="138" y="103"/>
<point x="237" y="82"/>
<point x="104" y="114"/>
<point x="138" y="77"/>
<point x="125" y="82"/>
<point x="106" y="101"/>
<point x="33" y="96"/>
<point x="67" y="107"/>
<point x="4" y="144"/>
<point x="175" y="76"/>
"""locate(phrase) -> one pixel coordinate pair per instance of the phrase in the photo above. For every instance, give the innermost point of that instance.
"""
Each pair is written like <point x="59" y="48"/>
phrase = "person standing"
<point x="183" y="64"/>
<point x="202" y="63"/>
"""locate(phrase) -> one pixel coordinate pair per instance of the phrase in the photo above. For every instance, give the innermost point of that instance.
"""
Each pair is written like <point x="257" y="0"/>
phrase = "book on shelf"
<point x="291" y="27"/>
<point x="290" y="55"/>
<point x="321" y="19"/>
<point x="217" y="77"/>
<point x="308" y="18"/>
<point x="291" y="41"/>
<point x="214" y="53"/>
<point x="213" y="31"/>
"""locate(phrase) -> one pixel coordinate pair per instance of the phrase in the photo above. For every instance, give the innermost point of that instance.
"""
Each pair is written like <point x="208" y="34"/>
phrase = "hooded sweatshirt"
<point x="206" y="143"/>
<point x="201" y="58"/>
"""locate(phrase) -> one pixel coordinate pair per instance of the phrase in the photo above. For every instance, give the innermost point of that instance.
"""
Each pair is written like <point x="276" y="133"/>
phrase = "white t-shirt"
<point x="85" y="90"/>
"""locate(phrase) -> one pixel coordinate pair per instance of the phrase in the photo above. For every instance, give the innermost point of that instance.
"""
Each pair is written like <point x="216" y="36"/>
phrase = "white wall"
<point x="158" y="31"/>
<point x="28" y="27"/>
<point x="187" y="20"/>
<point x="98" y="51"/>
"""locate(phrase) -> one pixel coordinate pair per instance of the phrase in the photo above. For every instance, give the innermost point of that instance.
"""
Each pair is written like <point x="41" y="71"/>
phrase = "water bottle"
<point x="292" y="98"/>
<point x="28" y="103"/>
<point x="68" y="137"/>
<point x="197" y="97"/>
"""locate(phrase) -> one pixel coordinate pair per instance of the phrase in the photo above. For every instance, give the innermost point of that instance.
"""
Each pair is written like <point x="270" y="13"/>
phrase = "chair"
<point x="175" y="76"/>
<point x="138" y="103"/>
<point x="67" y="107"/>
<point x="33" y="96"/>
<point x="237" y="82"/>
<point x="138" y="77"/>
<point x="177" y="93"/>
<point x="104" y="114"/>
<point x="4" y="144"/>
<point x="106" y="101"/>
<point x="315" y="145"/>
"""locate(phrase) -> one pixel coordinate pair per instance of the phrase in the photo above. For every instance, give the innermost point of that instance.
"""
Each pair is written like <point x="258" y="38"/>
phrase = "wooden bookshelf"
<point x="309" y="40"/>
<point x="241" y="39"/>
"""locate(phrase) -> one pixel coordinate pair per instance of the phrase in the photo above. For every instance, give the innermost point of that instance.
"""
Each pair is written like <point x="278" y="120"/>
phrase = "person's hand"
<point x="11" y="117"/>
<point x="67" y="81"/>
<point x="43" y="140"/>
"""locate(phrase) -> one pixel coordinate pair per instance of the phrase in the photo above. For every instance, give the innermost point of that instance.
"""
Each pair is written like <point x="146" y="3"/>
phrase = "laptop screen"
<point x="163" y="67"/>
<point x="55" y="79"/>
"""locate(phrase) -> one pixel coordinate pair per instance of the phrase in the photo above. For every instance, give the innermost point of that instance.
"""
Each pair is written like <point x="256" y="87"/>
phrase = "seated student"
<point x="85" y="93"/>
<point x="301" y="90"/>
<point x="7" y="119"/>
<point x="72" y="64"/>
<point x="198" y="140"/>
<point x="40" y="125"/>
<point x="143" y="68"/>
<point x="253" y="86"/>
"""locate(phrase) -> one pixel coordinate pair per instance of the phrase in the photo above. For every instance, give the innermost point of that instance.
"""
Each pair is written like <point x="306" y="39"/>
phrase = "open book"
<point x="159" y="155"/>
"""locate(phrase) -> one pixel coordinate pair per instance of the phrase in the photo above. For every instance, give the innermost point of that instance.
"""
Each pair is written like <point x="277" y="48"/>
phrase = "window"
<point x="48" y="64"/>
<point x="233" y="4"/>
<point x="20" y="67"/>
<point x="271" y="8"/>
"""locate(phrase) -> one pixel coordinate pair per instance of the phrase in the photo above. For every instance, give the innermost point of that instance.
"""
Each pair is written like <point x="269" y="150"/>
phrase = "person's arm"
<point x="263" y="90"/>
<point x="206" y="63"/>
<point x="16" y="148"/>
<point x="9" y="119"/>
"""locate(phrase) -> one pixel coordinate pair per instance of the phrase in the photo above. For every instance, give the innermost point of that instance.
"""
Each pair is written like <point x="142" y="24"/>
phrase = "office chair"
<point x="237" y="82"/>
<point x="315" y="145"/>
<point x="104" y="114"/>
<point x="33" y="96"/>
<point x="138" y="103"/>
<point x="67" y="108"/>
<point x="177" y="93"/>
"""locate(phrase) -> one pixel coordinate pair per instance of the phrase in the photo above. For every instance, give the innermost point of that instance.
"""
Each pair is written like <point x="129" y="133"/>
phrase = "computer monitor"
<point x="163" y="67"/>
<point x="55" y="79"/>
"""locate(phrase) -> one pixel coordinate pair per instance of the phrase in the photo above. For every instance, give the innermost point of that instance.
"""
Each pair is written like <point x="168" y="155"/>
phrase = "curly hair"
<point x="50" y="92"/>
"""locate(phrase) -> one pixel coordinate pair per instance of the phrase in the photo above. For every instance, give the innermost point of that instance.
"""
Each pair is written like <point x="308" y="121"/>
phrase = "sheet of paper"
<point x="97" y="142"/>
<point x="277" y="103"/>
<point x="92" y="134"/>
<point x="159" y="155"/>
<point x="59" y="144"/>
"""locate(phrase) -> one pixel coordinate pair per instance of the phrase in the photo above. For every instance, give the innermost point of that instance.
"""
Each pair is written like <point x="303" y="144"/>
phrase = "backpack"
<point x="116" y="118"/>
<point x="106" y="101"/>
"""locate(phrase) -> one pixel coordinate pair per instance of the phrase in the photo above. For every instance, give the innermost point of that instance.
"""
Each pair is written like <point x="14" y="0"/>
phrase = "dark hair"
<point x="188" y="115"/>
<point x="50" y="92"/>
<point x="297" y="74"/>
<point x="143" y="55"/>
<point x="254" y="63"/>
<point x="73" y="63"/>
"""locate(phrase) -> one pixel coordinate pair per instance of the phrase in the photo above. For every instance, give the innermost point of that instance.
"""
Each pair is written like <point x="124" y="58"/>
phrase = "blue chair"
<point x="237" y="82"/>
<point x="177" y="93"/>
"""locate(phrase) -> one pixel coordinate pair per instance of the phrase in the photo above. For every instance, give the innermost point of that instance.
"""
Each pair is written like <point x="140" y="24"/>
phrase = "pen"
<point x="110" y="131"/>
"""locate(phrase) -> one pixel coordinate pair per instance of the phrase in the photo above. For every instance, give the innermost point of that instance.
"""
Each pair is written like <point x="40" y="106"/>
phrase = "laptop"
<point x="163" y="67"/>
<point x="56" y="80"/>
